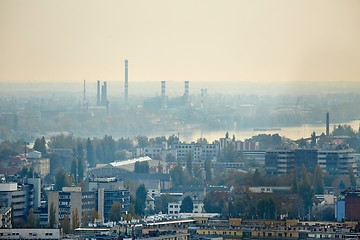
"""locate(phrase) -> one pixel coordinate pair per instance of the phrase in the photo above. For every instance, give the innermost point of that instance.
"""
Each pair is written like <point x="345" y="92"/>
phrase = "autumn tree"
<point x="65" y="224"/>
<point x="85" y="219"/>
<point x="115" y="212"/>
<point x="75" y="219"/>
<point x="52" y="212"/>
<point x="32" y="221"/>
<point x="94" y="214"/>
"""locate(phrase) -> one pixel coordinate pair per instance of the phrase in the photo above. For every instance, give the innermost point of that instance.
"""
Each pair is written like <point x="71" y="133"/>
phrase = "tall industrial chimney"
<point x="163" y="94"/>
<point x="126" y="81"/>
<point x="163" y="89"/>
<point x="186" y="93"/>
<point x="104" y="94"/>
<point x="98" y="93"/>
<point x="327" y="124"/>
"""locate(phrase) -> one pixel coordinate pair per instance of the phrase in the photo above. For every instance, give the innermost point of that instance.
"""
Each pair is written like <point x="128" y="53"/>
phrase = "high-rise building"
<point x="336" y="160"/>
<point x="73" y="203"/>
<point x="19" y="196"/>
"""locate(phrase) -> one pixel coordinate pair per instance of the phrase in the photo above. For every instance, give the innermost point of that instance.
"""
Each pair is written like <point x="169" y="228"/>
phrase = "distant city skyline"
<point x="204" y="40"/>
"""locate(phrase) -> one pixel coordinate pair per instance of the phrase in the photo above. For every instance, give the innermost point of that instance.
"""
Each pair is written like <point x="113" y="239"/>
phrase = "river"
<point x="296" y="132"/>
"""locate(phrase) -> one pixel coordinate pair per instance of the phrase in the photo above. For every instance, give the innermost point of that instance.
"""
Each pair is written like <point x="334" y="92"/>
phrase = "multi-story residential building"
<point x="174" y="207"/>
<point x="279" y="161"/>
<point x="198" y="152"/>
<point x="18" y="196"/>
<point x="109" y="190"/>
<point x="307" y="158"/>
<point x="71" y="202"/>
<point x="335" y="160"/>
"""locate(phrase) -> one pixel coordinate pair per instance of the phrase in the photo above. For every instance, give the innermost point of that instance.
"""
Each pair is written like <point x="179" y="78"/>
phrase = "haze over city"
<point x="238" y="41"/>
<point x="179" y="119"/>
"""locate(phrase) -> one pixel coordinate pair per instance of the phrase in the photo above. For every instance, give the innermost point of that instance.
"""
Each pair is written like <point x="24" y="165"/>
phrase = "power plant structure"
<point x="101" y="94"/>
<point x="186" y="92"/>
<point x="126" y="81"/>
<point x="85" y="103"/>
<point x="98" y="94"/>
<point x="163" y="94"/>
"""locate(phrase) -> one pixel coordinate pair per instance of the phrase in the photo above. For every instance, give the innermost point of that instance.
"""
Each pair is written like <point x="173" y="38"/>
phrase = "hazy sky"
<point x="196" y="40"/>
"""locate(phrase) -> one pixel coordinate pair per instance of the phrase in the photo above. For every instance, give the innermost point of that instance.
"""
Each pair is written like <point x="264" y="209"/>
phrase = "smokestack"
<point x="186" y="93"/>
<point x="104" y="94"/>
<point x="163" y="89"/>
<point x="163" y="94"/>
<point x="84" y="96"/>
<point x="327" y="124"/>
<point x="126" y="81"/>
<point x="98" y="93"/>
<point x="202" y="98"/>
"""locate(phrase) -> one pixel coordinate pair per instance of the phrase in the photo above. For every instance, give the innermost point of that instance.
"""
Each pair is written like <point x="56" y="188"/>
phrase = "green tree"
<point x="142" y="141"/>
<point x="294" y="185"/>
<point x="266" y="208"/>
<point x="202" y="141"/>
<point x="189" y="166"/>
<point x="61" y="180"/>
<point x="208" y="173"/>
<point x="173" y="140"/>
<point x="40" y="145"/>
<point x="230" y="154"/>
<point x="313" y="140"/>
<point x="318" y="184"/>
<point x="79" y="156"/>
<point x="74" y="169"/>
<point x="162" y="203"/>
<point x="352" y="177"/>
<point x="170" y="158"/>
<point x="115" y="212"/>
<point x="80" y="165"/>
<point x="62" y="141"/>
<point x="141" y="167"/>
<point x="177" y="175"/>
<point x="187" y="205"/>
<point x="140" y="202"/>
<point x="305" y="190"/>
<point x="90" y="155"/>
